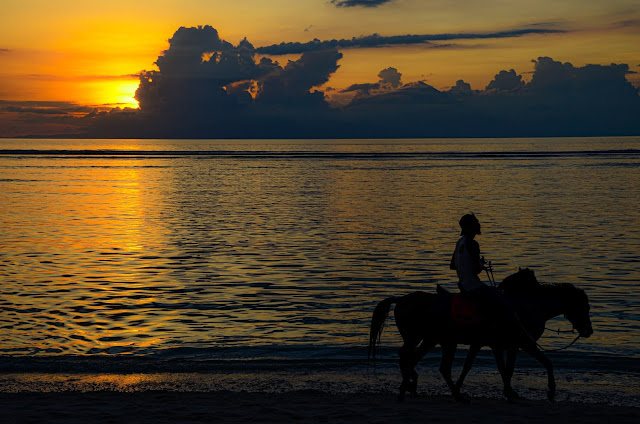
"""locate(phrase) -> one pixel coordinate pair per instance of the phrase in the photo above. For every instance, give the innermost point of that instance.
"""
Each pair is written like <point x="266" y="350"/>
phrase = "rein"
<point x="562" y="348"/>
<point x="558" y="331"/>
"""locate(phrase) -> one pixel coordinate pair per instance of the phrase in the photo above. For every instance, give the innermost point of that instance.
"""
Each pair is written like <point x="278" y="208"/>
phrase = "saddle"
<point x="464" y="309"/>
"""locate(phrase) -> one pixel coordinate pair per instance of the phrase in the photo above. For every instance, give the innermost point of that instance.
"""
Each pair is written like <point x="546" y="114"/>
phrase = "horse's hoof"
<point x="512" y="396"/>
<point x="460" y="398"/>
<point x="551" y="396"/>
<point x="400" y="397"/>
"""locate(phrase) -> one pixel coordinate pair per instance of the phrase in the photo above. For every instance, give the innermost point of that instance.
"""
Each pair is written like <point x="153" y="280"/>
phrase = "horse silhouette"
<point x="427" y="319"/>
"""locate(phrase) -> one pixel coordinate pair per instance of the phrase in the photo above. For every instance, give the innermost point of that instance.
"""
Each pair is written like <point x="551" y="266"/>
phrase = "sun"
<point x="123" y="93"/>
<point x="109" y="92"/>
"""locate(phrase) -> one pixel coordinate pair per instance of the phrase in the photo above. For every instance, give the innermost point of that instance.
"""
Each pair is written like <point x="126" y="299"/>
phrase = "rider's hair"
<point x="466" y="222"/>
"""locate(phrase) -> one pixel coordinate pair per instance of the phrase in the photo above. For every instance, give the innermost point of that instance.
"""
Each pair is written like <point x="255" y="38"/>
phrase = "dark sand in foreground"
<point x="299" y="406"/>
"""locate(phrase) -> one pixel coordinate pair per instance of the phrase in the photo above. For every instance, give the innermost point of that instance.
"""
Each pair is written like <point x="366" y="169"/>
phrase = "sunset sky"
<point x="83" y="55"/>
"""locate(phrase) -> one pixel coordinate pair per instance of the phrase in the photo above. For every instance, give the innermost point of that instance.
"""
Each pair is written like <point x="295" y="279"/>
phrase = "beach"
<point x="296" y="406"/>
<point x="305" y="395"/>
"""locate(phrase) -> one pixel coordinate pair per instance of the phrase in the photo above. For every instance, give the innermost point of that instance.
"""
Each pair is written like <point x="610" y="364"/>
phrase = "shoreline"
<point x="294" y="406"/>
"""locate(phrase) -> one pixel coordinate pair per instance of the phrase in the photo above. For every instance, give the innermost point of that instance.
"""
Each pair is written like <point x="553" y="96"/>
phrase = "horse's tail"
<point x="377" y="324"/>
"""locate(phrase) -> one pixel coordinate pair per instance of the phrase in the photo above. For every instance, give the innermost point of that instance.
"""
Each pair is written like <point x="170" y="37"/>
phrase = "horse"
<point x="426" y="319"/>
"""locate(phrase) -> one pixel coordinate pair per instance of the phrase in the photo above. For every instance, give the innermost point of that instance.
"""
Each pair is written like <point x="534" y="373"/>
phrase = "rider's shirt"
<point x="467" y="252"/>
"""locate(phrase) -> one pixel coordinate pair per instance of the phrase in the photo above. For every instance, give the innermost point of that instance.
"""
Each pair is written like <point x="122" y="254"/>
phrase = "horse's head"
<point x="578" y="313"/>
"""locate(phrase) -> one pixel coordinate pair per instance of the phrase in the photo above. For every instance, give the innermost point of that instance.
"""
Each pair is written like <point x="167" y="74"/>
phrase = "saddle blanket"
<point x="465" y="310"/>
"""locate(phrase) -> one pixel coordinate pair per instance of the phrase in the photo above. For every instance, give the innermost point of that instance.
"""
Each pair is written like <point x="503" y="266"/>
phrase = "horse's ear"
<point x="519" y="269"/>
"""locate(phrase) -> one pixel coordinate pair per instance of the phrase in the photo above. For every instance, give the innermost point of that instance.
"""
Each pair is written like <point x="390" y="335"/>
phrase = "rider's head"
<point x="469" y="225"/>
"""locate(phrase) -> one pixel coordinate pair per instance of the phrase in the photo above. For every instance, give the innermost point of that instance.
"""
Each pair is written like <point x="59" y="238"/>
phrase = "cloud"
<point x="43" y="111"/>
<point x="292" y="84"/>
<point x="560" y="100"/>
<point x="364" y="88"/>
<point x="628" y="23"/>
<point x="601" y="82"/>
<point x="506" y="81"/>
<point x="204" y="84"/>
<point x="390" y="78"/>
<point x="206" y="87"/>
<point x="377" y="40"/>
<point x="194" y="71"/>
<point x="461" y="89"/>
<point x="53" y="77"/>
<point x="44" y="108"/>
<point x="363" y="3"/>
<point x="42" y="118"/>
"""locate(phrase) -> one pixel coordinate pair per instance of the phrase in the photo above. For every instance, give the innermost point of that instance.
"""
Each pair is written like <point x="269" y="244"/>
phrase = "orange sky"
<point x="88" y="53"/>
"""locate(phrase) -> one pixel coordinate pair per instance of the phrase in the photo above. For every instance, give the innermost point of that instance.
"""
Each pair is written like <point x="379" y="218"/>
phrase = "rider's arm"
<point x="474" y="249"/>
<point x="452" y="265"/>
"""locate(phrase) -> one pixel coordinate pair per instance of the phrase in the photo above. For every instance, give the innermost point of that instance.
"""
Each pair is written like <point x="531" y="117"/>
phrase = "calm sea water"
<point x="281" y="249"/>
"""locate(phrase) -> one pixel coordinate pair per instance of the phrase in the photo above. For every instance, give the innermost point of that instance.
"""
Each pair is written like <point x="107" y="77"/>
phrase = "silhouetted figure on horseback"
<point x="466" y="258"/>
<point x="488" y="303"/>
<point x="506" y="320"/>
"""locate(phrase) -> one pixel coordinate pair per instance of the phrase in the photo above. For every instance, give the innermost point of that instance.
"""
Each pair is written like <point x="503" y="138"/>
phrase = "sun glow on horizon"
<point x="124" y="94"/>
<point x="112" y="93"/>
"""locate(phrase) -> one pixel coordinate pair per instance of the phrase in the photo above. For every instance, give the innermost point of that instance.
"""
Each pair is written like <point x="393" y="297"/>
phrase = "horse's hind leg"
<point x="468" y="362"/>
<point x="407" y="355"/>
<point x="422" y="350"/>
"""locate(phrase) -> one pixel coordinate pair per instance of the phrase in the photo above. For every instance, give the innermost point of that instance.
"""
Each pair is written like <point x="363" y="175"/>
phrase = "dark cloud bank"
<point x="206" y="87"/>
<point x="377" y="40"/>
<point x="363" y="3"/>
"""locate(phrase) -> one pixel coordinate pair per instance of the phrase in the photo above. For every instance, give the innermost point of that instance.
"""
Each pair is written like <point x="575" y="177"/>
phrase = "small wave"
<point x="264" y="154"/>
<point x="302" y="357"/>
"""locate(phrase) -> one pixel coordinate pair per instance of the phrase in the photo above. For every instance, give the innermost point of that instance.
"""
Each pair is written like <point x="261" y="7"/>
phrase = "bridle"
<point x="489" y="270"/>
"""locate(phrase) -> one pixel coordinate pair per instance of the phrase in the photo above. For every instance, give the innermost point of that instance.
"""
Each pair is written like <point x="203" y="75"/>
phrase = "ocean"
<point x="265" y="258"/>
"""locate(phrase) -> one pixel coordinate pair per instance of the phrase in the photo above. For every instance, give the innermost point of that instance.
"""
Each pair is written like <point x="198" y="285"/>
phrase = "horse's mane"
<point x="522" y="281"/>
<point x="525" y="282"/>
<point x="559" y="289"/>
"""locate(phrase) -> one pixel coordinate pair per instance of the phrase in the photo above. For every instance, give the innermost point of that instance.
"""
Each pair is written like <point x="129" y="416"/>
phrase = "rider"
<point x="466" y="258"/>
<point x="468" y="264"/>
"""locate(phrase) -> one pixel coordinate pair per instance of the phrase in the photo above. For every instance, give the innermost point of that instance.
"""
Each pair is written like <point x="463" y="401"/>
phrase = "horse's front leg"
<point x="509" y="393"/>
<point x="448" y="354"/>
<point x="505" y="373"/>
<point x="468" y="362"/>
<point x="542" y="358"/>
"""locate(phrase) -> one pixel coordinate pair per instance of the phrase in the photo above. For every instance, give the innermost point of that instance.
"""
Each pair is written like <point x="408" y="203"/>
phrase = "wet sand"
<point x="297" y="406"/>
